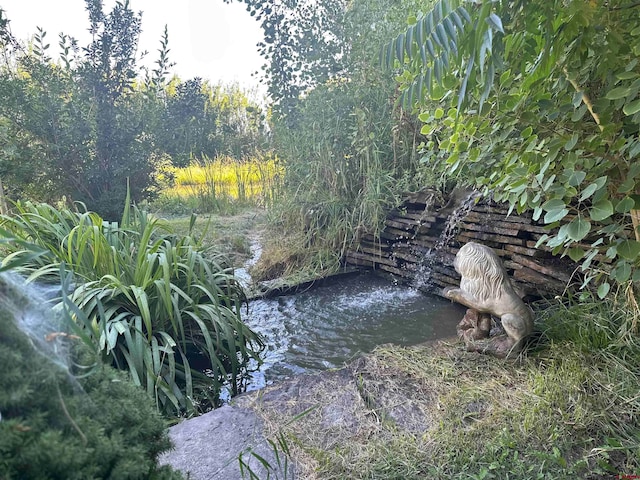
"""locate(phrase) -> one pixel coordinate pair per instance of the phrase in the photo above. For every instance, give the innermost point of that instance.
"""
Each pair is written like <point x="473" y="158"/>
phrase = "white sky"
<point x="207" y="38"/>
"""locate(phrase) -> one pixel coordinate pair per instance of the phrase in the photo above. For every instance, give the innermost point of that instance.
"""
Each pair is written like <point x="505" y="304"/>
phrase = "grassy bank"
<point x="567" y="409"/>
<point x="229" y="235"/>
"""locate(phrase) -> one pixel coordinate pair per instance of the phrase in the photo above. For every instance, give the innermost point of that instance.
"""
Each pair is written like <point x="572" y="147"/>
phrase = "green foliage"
<point x="82" y="125"/>
<point x="203" y="121"/>
<point x="347" y="154"/>
<point x="54" y="426"/>
<point x="545" y="117"/>
<point x="304" y="45"/>
<point x="147" y="301"/>
<point x="339" y="182"/>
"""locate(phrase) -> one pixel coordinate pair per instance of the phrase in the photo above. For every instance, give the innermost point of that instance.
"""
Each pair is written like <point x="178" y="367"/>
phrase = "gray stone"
<point x="207" y="447"/>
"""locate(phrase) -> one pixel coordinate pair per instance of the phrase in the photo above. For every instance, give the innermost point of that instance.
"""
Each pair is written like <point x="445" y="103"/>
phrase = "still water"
<point x="327" y="325"/>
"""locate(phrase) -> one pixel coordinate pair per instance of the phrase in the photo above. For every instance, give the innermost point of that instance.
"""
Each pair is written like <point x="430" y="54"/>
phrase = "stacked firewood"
<point x="421" y="239"/>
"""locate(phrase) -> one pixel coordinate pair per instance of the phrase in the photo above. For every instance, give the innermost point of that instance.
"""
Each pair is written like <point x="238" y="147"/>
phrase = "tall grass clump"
<point x="347" y="162"/>
<point x="221" y="185"/>
<point x="146" y="301"/>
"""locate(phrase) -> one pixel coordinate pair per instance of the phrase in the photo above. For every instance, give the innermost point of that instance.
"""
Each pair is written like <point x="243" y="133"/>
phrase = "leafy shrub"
<point x="147" y="301"/>
<point x="53" y="426"/>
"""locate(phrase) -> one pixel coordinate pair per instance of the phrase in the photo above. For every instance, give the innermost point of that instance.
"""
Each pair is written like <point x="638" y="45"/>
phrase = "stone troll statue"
<point x="487" y="290"/>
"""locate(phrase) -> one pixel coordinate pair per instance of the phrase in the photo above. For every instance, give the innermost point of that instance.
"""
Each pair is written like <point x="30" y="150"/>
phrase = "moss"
<point x="54" y="426"/>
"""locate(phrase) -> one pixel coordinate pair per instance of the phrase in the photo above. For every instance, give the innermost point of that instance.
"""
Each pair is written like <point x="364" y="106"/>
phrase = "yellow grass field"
<point x="252" y="181"/>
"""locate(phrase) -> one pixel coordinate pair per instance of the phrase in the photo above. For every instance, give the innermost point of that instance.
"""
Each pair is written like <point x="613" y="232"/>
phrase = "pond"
<point x="325" y="326"/>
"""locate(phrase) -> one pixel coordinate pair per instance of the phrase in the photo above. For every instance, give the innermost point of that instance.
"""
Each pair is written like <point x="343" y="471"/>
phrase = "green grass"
<point x="228" y="235"/>
<point x="220" y="185"/>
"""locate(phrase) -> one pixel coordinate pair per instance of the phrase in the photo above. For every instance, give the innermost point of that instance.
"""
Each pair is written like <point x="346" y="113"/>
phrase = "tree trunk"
<point x="635" y="220"/>
<point x="3" y="201"/>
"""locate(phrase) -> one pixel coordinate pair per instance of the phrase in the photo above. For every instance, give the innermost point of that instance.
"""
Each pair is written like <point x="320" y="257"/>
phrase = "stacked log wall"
<point x="421" y="238"/>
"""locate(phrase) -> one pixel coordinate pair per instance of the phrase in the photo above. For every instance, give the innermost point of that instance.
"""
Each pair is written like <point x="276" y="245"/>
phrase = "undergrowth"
<point x="144" y="300"/>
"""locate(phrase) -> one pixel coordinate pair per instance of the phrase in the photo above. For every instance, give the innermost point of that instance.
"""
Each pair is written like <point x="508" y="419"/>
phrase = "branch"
<point x="585" y="98"/>
<point x="625" y="7"/>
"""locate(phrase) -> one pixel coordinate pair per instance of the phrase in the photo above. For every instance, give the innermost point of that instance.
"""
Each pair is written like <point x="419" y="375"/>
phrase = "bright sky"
<point x="207" y="38"/>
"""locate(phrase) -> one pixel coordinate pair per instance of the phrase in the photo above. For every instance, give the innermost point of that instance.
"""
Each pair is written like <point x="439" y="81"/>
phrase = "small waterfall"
<point x="242" y="274"/>
<point x="458" y="208"/>
<point x="33" y="309"/>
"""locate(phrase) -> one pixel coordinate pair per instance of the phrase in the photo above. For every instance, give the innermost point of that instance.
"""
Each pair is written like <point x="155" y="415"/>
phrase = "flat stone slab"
<point x="207" y="447"/>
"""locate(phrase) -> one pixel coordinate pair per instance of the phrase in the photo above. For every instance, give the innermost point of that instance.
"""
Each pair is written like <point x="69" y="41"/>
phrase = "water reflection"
<point x="326" y="326"/>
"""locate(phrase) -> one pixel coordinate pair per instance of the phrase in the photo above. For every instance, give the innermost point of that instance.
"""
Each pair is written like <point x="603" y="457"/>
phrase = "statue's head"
<point x="481" y="269"/>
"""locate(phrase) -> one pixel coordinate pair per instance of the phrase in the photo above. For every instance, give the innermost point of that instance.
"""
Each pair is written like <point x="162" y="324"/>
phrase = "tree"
<point x="537" y="103"/>
<point x="81" y="126"/>
<point x="186" y="122"/>
<point x="122" y="142"/>
<point x="203" y="120"/>
<point x="303" y="45"/>
<point x="348" y="153"/>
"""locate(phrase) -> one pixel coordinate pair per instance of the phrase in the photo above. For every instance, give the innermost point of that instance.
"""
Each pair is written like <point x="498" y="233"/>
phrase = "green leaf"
<point x="426" y="129"/>
<point x="457" y="20"/>
<point x="495" y="22"/>
<point x="621" y="272"/>
<point x="437" y="68"/>
<point x="603" y="289"/>
<point x="429" y="44"/>
<point x="625" y="205"/>
<point x="578" y="228"/>
<point x="601" y="210"/>
<point x="600" y="181"/>
<point x="554" y="204"/>
<point x="579" y="112"/>
<point x="617" y="93"/>
<point x="629" y="249"/>
<point x="463" y="12"/>
<point x="632" y="108"/>
<point x="587" y="192"/>
<point x="571" y="142"/>
<point x="555" y="215"/>
<point x="576" y="253"/>
<point x="408" y="40"/>
<point x="400" y="47"/>
<point x="628" y="185"/>
<point x="627" y="75"/>
<point x="450" y="29"/>
<point x="576" y="178"/>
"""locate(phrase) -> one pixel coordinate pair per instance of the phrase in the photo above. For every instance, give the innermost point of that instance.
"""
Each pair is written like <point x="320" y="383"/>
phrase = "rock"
<point x="207" y="447"/>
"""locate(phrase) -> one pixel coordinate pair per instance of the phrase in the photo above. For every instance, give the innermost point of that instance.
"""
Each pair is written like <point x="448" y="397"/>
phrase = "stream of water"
<point x="326" y="326"/>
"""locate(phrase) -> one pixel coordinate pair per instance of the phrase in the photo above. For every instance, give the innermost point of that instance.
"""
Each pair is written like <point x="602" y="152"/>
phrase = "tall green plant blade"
<point x="145" y="298"/>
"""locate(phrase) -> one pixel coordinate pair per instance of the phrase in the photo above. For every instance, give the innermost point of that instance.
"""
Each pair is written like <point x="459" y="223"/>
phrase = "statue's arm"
<point x="462" y="297"/>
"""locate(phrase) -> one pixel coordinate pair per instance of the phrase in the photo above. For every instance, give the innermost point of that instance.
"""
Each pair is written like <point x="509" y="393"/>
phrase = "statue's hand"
<point x="448" y="292"/>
